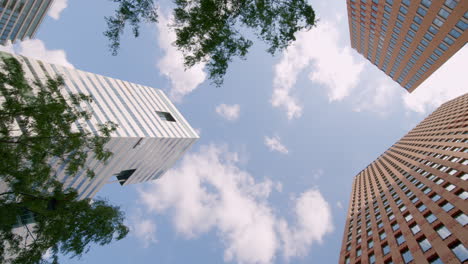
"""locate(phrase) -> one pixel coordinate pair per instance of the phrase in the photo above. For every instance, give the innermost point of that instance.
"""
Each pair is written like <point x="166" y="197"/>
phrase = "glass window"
<point x="426" y="3"/>
<point x="415" y="228"/>
<point x="408" y="217"/>
<point x="406" y="255"/>
<point x="451" y="3"/>
<point x="462" y="25"/>
<point x="438" y="22"/>
<point x="388" y="9"/>
<point x="463" y="195"/>
<point x="382" y="235"/>
<point x="428" y="36"/>
<point x="460" y="251"/>
<point x="421" y="207"/>
<point x="395" y="226"/>
<point x="431" y="218"/>
<point x="400" y="239"/>
<point x="418" y="20"/>
<point x="461" y="218"/>
<point x="372" y="258"/>
<point x="358" y="252"/>
<point x="422" y="12"/>
<point x="385" y="249"/>
<point x="447" y="206"/>
<point x="424" y="244"/>
<point x="433" y="30"/>
<point x="370" y="244"/>
<point x="444" y="13"/>
<point x="435" y="260"/>
<point x="435" y="198"/>
<point x="450" y="187"/>
<point x="443" y="47"/>
<point x="443" y="231"/>
<point x="403" y="10"/>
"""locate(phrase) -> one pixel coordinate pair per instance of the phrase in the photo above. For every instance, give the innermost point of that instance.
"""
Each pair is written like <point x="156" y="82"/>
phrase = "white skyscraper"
<point x="151" y="135"/>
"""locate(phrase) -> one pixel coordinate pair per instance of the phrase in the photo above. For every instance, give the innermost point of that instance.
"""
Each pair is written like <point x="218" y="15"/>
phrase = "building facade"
<point x="409" y="205"/>
<point x="151" y="134"/>
<point x="20" y="19"/>
<point x="408" y="39"/>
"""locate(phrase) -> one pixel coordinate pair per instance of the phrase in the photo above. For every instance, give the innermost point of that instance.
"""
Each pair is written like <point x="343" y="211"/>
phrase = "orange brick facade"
<point x="409" y="205"/>
<point x="408" y="39"/>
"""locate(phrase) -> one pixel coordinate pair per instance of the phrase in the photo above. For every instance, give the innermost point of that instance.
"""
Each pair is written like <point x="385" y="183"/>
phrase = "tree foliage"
<point x="212" y="31"/>
<point x="133" y="12"/>
<point x="40" y="125"/>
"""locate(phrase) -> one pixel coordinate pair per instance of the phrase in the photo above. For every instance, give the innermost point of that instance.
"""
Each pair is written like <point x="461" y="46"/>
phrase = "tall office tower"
<point x="19" y="19"/>
<point x="410" y="204"/>
<point x="408" y="39"/>
<point x="151" y="135"/>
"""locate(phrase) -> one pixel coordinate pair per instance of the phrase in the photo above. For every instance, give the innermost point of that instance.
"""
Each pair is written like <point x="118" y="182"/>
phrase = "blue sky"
<point x="270" y="178"/>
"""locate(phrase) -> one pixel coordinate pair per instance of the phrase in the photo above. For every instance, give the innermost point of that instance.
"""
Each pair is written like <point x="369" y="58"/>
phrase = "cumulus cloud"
<point x="145" y="230"/>
<point x="209" y="192"/>
<point x="171" y="65"/>
<point x="274" y="144"/>
<point x="57" y="7"/>
<point x="228" y="112"/>
<point x="313" y="215"/>
<point x="331" y="65"/>
<point x="339" y="205"/>
<point x="448" y="82"/>
<point x="318" y="173"/>
<point x="36" y="49"/>
<point x="379" y="95"/>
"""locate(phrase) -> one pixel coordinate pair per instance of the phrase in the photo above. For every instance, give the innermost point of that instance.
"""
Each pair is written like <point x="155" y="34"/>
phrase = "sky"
<point x="269" y="180"/>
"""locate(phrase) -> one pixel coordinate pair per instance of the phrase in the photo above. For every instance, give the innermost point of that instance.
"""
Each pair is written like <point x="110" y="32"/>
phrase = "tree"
<point x="39" y="124"/>
<point x="62" y="223"/>
<point x="211" y="30"/>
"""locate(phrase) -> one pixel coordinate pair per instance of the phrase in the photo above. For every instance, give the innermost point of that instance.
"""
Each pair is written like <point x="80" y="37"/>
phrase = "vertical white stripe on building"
<point x="144" y="141"/>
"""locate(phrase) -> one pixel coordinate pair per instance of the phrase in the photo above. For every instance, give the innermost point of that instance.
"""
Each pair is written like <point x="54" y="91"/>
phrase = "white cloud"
<point x="313" y="222"/>
<point x="145" y="230"/>
<point x="317" y="174"/>
<point x="57" y="7"/>
<point x="339" y="205"/>
<point x="228" y="112"/>
<point x="274" y="144"/>
<point x="36" y="49"/>
<point x="448" y="82"/>
<point x="332" y="66"/>
<point x="209" y="192"/>
<point x="183" y="81"/>
<point x="379" y="95"/>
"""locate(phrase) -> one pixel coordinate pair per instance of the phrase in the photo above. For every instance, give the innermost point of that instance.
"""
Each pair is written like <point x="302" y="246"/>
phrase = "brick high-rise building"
<point x="410" y="204"/>
<point x="408" y="39"/>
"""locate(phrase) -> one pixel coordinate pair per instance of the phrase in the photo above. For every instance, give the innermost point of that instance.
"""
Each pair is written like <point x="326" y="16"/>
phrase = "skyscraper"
<point x="151" y="133"/>
<point x="408" y="39"/>
<point x="19" y="19"/>
<point x="410" y="204"/>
